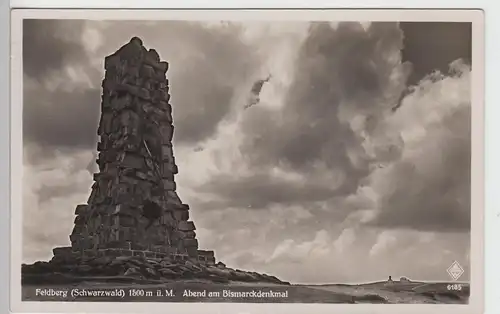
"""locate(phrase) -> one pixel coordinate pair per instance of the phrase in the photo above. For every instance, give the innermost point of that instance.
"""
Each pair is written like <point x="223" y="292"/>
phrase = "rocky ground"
<point x="134" y="270"/>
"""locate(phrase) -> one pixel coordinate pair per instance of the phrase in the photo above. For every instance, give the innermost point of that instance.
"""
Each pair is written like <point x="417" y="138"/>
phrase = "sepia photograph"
<point x="246" y="161"/>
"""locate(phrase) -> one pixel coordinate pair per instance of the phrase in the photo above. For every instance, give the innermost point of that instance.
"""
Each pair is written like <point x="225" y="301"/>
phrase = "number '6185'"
<point x="454" y="287"/>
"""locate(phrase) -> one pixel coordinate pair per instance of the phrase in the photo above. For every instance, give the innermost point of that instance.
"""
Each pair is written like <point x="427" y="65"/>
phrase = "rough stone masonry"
<point x="134" y="227"/>
<point x="133" y="209"/>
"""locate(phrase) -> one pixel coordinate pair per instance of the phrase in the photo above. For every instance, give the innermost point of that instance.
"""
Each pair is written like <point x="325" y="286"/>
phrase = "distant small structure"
<point x="389" y="282"/>
<point x="404" y="280"/>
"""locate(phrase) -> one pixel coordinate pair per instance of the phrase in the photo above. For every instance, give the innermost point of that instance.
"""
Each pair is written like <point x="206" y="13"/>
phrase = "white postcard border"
<point x="477" y="186"/>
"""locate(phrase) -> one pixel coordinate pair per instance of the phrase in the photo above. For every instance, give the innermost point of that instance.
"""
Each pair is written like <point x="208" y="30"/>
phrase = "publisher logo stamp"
<point x="455" y="270"/>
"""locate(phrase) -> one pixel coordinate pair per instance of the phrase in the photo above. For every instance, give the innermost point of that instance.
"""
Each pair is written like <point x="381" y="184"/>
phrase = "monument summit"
<point x="134" y="223"/>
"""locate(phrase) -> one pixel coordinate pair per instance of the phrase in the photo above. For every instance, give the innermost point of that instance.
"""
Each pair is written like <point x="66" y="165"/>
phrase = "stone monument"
<point x="134" y="224"/>
<point x="133" y="209"/>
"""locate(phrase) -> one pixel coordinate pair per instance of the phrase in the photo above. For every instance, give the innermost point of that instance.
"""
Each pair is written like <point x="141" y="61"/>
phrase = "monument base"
<point x="67" y="252"/>
<point x="132" y="266"/>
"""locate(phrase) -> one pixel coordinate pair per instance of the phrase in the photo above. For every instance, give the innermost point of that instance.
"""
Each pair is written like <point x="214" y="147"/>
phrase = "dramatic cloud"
<point x="49" y="45"/>
<point x="270" y="190"/>
<point x="432" y="46"/>
<point x="429" y="187"/>
<point x="335" y="68"/>
<point x="62" y="118"/>
<point x="322" y="174"/>
<point x="342" y="74"/>
<point x="61" y="99"/>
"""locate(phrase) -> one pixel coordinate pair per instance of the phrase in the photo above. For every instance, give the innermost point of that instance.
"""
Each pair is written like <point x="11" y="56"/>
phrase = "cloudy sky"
<point x="354" y="166"/>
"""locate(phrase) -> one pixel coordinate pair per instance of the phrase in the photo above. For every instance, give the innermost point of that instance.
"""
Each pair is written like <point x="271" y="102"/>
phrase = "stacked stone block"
<point x="133" y="208"/>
